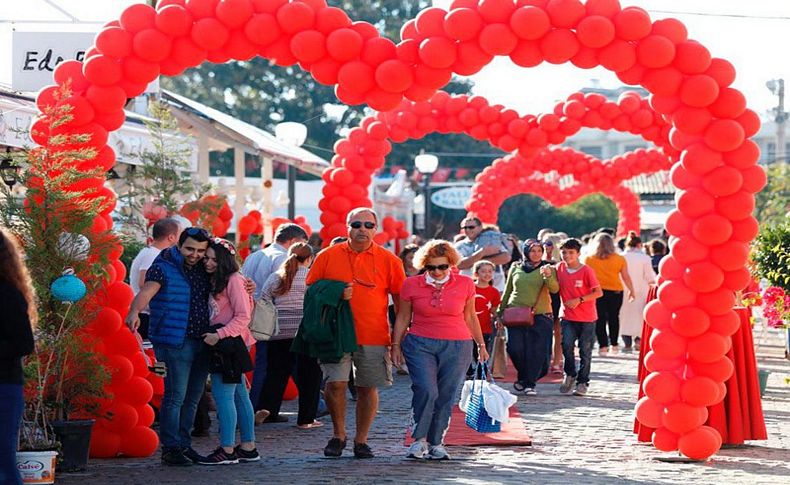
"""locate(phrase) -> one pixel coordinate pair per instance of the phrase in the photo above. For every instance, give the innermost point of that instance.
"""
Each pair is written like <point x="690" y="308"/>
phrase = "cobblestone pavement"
<point x="575" y="440"/>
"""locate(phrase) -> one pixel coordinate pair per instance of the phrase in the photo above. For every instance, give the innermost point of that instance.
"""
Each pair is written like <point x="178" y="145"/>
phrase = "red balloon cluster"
<point x="507" y="177"/>
<point x="717" y="175"/>
<point x="392" y="230"/>
<point x="252" y="223"/>
<point x="154" y="212"/>
<point x="211" y="212"/>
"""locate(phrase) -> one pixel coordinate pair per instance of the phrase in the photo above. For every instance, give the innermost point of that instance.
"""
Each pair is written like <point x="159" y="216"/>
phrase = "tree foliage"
<point x="771" y="254"/>
<point x="525" y="215"/>
<point x="773" y="203"/>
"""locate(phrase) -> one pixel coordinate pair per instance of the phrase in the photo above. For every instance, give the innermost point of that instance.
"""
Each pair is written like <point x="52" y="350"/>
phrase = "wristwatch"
<point x="581" y="299"/>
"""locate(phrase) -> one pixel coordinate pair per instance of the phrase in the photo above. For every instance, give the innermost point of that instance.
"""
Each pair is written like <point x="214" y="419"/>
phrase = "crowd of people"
<point x="350" y="312"/>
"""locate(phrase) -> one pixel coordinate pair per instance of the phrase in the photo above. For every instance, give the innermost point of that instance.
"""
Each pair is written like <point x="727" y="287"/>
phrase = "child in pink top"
<point x="231" y="308"/>
<point x="579" y="288"/>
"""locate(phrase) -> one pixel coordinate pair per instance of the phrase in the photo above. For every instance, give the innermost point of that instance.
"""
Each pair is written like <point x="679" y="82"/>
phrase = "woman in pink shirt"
<point x="231" y="310"/>
<point x="438" y="307"/>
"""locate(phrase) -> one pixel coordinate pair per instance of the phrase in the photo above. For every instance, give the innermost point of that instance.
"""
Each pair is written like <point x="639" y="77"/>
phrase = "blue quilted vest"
<point x="170" y="306"/>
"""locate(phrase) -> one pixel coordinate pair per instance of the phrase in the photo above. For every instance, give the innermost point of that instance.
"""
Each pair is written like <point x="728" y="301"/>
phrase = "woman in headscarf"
<point x="529" y="285"/>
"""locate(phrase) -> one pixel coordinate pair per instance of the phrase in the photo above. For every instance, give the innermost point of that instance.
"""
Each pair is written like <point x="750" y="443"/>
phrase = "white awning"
<point x="262" y="141"/>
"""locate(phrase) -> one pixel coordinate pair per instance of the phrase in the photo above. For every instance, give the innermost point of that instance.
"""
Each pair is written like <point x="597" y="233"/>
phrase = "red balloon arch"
<point x="514" y="181"/>
<point x="717" y="176"/>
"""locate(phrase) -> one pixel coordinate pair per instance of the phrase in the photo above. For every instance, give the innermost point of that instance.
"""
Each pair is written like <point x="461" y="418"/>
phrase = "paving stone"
<point x="575" y="440"/>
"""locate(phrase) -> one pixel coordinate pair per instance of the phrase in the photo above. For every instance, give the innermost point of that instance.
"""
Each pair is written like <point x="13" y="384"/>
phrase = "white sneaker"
<point x="581" y="390"/>
<point x="438" y="452"/>
<point x="530" y="391"/>
<point x="418" y="450"/>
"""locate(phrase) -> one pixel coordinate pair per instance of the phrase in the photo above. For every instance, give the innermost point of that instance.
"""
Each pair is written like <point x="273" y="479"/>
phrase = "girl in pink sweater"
<point x="232" y="309"/>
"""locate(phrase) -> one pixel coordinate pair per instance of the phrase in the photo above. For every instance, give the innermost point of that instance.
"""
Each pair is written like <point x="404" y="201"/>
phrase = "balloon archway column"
<point x="709" y="126"/>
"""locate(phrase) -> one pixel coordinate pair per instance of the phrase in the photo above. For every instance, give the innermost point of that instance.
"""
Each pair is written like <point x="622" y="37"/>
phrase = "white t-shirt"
<point x="144" y="259"/>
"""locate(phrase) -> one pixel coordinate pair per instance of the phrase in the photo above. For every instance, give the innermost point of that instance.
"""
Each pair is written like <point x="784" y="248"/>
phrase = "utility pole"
<point x="777" y="86"/>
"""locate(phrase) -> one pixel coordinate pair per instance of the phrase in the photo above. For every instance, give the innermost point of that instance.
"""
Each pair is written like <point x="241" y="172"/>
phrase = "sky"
<point x="754" y="35"/>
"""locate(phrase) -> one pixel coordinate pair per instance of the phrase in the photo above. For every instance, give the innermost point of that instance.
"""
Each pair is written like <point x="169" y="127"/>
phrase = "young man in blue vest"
<point x="177" y="291"/>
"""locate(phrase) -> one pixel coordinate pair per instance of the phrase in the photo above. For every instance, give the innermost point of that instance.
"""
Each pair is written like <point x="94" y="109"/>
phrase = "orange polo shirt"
<point x="373" y="267"/>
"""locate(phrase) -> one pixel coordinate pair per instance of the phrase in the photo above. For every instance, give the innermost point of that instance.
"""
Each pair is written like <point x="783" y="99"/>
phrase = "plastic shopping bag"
<point x="485" y="404"/>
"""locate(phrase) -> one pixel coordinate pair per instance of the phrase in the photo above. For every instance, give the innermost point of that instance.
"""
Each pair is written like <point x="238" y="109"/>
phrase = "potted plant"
<point x="771" y="255"/>
<point x="65" y="377"/>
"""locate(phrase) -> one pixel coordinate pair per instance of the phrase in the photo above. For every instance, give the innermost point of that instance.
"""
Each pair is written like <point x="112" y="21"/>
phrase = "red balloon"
<point x="632" y="23"/>
<point x="559" y="46"/>
<point x="648" y="412"/>
<point x="690" y="321"/>
<point x="699" y="391"/>
<point x="708" y="348"/>
<point x="667" y="344"/>
<point x="291" y="392"/>
<point x="699" y="91"/>
<point x="565" y="13"/>
<point x="681" y="417"/>
<point x="152" y="45"/>
<point x="691" y="57"/>
<point x="720" y="370"/>
<point x="145" y="415"/>
<point x="663" y="387"/>
<point x="676" y="294"/>
<point x="106" y="322"/>
<point x="716" y="302"/>
<point x="498" y="40"/>
<point x="137" y="391"/>
<point x="114" y="42"/>
<point x="104" y="443"/>
<point x="71" y="71"/>
<point x="463" y="24"/>
<point x="356" y="77"/>
<point x="102" y="70"/>
<point x="726" y="324"/>
<point x="173" y="20"/>
<point x="657" y="363"/>
<point x="657" y="315"/>
<point x="595" y="31"/>
<point x="665" y="440"/>
<point x="703" y="276"/>
<point x="295" y="17"/>
<point x="655" y="51"/>
<point x="700" y="444"/>
<point x="438" y="52"/>
<point x="138" y="442"/>
<point x="122" y="417"/>
<point x="234" y="13"/>
<point x="724" y="135"/>
<point x="344" y="44"/>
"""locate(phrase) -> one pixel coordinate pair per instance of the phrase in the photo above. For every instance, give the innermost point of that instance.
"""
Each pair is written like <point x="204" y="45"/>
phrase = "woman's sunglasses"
<point x="359" y="224"/>
<point x="440" y="267"/>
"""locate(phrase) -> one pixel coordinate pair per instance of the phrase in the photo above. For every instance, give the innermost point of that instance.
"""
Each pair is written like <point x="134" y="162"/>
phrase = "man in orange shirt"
<point x="372" y="274"/>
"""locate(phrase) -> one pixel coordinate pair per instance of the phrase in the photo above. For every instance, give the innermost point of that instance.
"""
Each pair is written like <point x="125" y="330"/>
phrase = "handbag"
<point x="477" y="417"/>
<point x="518" y="316"/>
<point x="264" y="325"/>
<point x="499" y="355"/>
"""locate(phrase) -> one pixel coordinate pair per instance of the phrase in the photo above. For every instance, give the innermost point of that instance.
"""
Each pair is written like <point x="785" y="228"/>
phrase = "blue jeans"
<point x="584" y="332"/>
<point x="437" y="369"/>
<point x="11" y="406"/>
<point x="233" y="406"/>
<point x="187" y="370"/>
<point x="527" y="348"/>
<point x="259" y="374"/>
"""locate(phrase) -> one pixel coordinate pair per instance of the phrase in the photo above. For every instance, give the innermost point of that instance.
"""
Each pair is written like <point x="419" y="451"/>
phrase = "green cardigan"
<point x="527" y="289"/>
<point x="327" y="328"/>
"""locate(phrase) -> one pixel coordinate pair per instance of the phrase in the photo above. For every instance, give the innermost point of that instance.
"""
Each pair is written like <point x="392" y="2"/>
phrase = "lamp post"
<point x="426" y="164"/>
<point x="777" y="87"/>
<point x="293" y="134"/>
<point x="9" y="171"/>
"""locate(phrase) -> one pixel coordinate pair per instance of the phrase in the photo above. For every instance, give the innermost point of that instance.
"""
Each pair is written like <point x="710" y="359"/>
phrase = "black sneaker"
<point x="245" y="456"/>
<point x="191" y="454"/>
<point x="219" y="457"/>
<point x="335" y="447"/>
<point x="276" y="418"/>
<point x="175" y="457"/>
<point x="362" y="450"/>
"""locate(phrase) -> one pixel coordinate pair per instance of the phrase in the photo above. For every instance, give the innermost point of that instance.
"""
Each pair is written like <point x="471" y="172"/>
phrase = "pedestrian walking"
<point x="579" y="288"/>
<point x="640" y="269"/>
<point x="439" y="310"/>
<point x="229" y="340"/>
<point x="371" y="274"/>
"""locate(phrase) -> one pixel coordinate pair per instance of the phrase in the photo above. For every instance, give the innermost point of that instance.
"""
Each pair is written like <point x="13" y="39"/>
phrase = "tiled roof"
<point x="657" y="183"/>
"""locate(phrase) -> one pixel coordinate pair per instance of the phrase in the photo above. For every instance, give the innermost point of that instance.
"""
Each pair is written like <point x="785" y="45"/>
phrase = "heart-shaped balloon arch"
<point x="717" y="175"/>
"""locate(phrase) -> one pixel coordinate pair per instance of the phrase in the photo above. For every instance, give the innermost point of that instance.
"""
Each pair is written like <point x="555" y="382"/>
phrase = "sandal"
<point x="315" y="424"/>
<point x="260" y="416"/>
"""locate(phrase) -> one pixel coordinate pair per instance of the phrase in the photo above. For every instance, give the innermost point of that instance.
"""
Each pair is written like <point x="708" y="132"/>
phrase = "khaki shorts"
<point x="371" y="364"/>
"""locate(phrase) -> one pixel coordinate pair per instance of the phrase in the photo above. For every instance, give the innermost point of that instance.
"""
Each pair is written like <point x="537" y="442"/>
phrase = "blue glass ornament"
<point x="68" y="288"/>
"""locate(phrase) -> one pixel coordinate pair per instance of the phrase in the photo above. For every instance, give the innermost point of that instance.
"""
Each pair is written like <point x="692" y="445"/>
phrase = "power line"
<point x="730" y="15"/>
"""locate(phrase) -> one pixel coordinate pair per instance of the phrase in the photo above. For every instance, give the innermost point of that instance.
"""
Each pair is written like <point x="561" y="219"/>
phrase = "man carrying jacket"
<point x="371" y="274"/>
<point x="177" y="291"/>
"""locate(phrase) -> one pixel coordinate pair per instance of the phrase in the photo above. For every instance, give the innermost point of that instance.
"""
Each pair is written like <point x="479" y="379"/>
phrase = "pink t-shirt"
<point x="573" y="285"/>
<point x="439" y="314"/>
<point x="233" y="309"/>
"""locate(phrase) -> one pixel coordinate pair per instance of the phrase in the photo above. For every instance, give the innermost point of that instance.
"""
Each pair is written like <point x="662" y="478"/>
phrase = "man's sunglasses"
<point x="359" y="224"/>
<point x="468" y="228"/>
<point x="440" y="267"/>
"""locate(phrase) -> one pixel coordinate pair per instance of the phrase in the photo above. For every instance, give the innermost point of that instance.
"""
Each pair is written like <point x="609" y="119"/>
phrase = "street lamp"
<point x="292" y="134"/>
<point x="9" y="171"/>
<point x="777" y="87"/>
<point x="426" y="164"/>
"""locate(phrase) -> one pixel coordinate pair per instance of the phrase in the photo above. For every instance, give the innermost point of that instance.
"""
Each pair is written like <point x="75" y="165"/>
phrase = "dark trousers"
<point x="259" y="374"/>
<point x="583" y="332"/>
<point x="608" y="307"/>
<point x="526" y="347"/>
<point x="279" y="367"/>
<point x="11" y="406"/>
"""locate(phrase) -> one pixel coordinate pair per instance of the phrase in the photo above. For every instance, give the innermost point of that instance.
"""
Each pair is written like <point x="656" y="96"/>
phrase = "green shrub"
<point x="771" y="254"/>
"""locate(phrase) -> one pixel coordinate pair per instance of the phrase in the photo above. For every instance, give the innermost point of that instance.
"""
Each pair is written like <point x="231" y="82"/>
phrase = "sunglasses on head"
<point x="440" y="267"/>
<point x="468" y="228"/>
<point x="196" y="231"/>
<point x="359" y="224"/>
<point x="548" y="243"/>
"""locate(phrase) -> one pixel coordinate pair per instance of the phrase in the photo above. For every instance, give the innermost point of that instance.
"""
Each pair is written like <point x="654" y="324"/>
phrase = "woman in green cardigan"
<point x="528" y="285"/>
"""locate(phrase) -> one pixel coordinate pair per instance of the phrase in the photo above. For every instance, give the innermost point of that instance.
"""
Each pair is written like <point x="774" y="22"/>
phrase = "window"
<point x="593" y="150"/>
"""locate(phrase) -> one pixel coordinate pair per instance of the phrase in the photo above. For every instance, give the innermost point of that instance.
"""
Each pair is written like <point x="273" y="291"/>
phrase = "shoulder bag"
<point x="264" y="324"/>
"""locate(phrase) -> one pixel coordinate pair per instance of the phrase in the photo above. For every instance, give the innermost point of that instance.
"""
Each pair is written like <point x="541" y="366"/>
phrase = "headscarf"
<point x="526" y="265"/>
